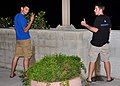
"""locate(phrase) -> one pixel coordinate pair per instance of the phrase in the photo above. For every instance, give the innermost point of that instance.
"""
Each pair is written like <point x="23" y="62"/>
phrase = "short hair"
<point x="22" y="4"/>
<point x="100" y="5"/>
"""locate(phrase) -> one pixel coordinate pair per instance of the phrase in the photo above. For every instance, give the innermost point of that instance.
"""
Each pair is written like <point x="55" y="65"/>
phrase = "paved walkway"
<point x="6" y="81"/>
<point x="116" y="82"/>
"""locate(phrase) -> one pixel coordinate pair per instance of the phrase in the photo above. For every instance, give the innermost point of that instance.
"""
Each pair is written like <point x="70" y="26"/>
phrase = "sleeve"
<point x="109" y="21"/>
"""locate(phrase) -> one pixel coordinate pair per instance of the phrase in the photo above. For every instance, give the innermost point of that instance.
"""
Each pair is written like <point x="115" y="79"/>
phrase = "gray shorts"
<point x="104" y="52"/>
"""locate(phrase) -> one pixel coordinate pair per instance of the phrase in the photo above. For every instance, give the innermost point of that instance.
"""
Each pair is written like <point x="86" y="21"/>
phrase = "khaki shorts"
<point x="104" y="52"/>
<point x="23" y="48"/>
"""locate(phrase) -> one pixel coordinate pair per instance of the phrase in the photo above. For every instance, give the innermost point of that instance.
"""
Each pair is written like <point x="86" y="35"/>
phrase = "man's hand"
<point x="32" y="17"/>
<point x="83" y="23"/>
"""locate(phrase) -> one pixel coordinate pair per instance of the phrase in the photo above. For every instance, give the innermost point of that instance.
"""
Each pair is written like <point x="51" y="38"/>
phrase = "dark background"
<point x="79" y="9"/>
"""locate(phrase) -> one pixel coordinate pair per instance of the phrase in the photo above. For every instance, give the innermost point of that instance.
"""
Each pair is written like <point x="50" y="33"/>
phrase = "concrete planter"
<point x="72" y="82"/>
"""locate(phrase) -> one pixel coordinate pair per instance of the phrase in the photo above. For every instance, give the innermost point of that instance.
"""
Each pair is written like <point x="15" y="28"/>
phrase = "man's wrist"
<point x="31" y="22"/>
<point x="89" y="27"/>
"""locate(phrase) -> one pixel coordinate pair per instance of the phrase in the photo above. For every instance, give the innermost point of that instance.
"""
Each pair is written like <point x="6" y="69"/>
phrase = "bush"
<point x="39" y="21"/>
<point x="5" y="22"/>
<point x="55" y="67"/>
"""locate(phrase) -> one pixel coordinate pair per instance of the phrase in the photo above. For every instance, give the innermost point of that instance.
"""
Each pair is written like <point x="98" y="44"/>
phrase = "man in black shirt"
<point x="100" y="41"/>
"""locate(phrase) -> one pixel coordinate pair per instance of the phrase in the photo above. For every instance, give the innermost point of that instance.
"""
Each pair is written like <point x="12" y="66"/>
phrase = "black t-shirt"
<point x="101" y="37"/>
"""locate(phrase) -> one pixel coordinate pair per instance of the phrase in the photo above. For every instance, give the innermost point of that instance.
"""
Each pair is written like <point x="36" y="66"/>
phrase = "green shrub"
<point x="39" y="21"/>
<point x="55" y="67"/>
<point x="5" y="22"/>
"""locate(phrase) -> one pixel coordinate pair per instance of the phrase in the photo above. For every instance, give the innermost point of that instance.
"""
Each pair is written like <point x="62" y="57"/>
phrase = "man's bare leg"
<point x="26" y="64"/>
<point x="13" y="66"/>
<point x="90" y="70"/>
<point x="107" y="67"/>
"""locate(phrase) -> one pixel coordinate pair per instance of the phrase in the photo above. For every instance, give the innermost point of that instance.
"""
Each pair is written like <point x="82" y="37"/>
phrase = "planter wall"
<point x="72" y="82"/>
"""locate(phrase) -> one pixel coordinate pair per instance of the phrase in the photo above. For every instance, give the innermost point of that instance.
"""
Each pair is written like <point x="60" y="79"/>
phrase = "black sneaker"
<point x="88" y="81"/>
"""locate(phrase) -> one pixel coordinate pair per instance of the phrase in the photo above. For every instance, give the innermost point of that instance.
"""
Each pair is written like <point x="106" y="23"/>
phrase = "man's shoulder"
<point x="18" y="15"/>
<point x="104" y="16"/>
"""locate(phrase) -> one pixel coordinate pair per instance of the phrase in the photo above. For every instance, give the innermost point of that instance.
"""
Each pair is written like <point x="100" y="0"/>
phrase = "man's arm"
<point x="93" y="29"/>
<point x="29" y="24"/>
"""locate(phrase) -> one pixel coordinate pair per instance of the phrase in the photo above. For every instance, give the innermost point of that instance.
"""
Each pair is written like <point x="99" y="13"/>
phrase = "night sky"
<point x="79" y="9"/>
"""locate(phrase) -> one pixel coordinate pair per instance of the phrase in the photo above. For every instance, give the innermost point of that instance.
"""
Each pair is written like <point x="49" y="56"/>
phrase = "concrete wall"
<point x="74" y="42"/>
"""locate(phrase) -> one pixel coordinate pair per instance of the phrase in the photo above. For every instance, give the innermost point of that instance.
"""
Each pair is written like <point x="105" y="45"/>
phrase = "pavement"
<point x="115" y="82"/>
<point x="5" y="80"/>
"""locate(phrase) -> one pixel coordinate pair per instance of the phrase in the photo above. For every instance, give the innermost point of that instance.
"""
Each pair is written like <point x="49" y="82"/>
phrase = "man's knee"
<point x="93" y="59"/>
<point x="26" y="59"/>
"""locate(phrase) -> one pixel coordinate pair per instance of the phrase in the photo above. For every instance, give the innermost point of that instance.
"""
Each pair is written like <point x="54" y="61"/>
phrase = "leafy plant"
<point x="39" y="21"/>
<point x="5" y="22"/>
<point x="55" y="67"/>
<point x="24" y="79"/>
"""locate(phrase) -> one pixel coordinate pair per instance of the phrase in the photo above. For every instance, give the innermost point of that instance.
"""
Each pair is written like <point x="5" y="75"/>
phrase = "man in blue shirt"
<point x="23" y="42"/>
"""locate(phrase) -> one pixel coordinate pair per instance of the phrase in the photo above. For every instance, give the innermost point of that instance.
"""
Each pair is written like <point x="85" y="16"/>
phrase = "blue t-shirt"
<point x="19" y="24"/>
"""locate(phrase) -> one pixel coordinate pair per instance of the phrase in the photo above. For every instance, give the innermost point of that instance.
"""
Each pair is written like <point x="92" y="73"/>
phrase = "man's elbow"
<point x="95" y="29"/>
<point x="25" y="30"/>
